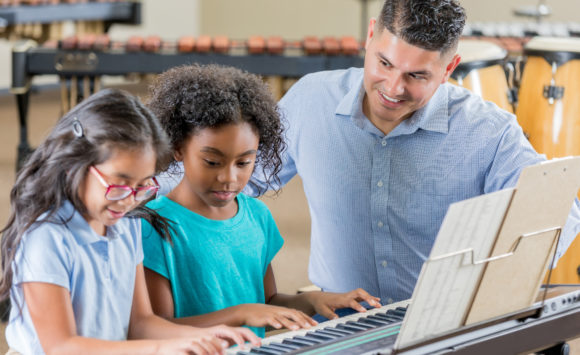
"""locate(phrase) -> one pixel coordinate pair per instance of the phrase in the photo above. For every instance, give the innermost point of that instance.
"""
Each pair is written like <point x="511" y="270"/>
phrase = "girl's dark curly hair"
<point x="189" y="98"/>
<point x="110" y="119"/>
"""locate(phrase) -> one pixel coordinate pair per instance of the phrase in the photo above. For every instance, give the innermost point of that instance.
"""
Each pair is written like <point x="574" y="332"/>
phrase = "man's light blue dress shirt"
<point x="377" y="201"/>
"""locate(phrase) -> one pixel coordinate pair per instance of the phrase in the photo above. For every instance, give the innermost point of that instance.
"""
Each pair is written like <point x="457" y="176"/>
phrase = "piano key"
<point x="281" y="347"/>
<point x="273" y="350"/>
<point x="374" y="322"/>
<point x="381" y="319"/>
<point x="291" y="346"/>
<point x="297" y="342"/>
<point x="323" y="337"/>
<point x="307" y="339"/>
<point x="396" y="313"/>
<point x="389" y="317"/>
<point x="350" y="327"/>
<point x="341" y="332"/>
<point x="264" y="351"/>
<point x="366" y="326"/>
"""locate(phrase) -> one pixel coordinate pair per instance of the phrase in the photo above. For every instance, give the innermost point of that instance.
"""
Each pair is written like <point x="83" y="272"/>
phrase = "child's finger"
<point x="357" y="306"/>
<point x="327" y="312"/>
<point x="362" y="295"/>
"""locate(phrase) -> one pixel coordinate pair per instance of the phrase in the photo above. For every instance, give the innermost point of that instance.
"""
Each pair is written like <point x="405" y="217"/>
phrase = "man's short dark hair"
<point x="428" y="24"/>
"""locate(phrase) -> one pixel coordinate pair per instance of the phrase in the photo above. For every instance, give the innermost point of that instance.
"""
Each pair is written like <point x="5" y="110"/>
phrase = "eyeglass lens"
<point x="115" y="193"/>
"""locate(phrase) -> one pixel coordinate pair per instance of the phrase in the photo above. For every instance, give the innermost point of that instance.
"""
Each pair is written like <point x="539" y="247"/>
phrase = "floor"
<point x="288" y="208"/>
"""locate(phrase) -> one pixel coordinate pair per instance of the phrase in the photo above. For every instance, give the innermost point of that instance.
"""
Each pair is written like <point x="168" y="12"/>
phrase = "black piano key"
<point x="396" y="312"/>
<point x="296" y="342"/>
<point x="350" y="327"/>
<point x="377" y="323"/>
<point x="273" y="350"/>
<point x="263" y="351"/>
<point x="394" y="315"/>
<point x="366" y="326"/>
<point x="320" y="336"/>
<point x="330" y="335"/>
<point x="342" y="332"/>
<point x="282" y="347"/>
<point x="307" y="339"/>
<point x="381" y="319"/>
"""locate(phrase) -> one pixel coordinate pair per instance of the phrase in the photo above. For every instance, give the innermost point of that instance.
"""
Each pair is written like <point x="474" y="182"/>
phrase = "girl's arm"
<point x="51" y="311"/>
<point x="145" y="324"/>
<point x="251" y="314"/>
<point x="323" y="303"/>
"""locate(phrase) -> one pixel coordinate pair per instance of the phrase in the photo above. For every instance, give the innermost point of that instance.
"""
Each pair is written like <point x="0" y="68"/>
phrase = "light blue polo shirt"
<point x="99" y="273"/>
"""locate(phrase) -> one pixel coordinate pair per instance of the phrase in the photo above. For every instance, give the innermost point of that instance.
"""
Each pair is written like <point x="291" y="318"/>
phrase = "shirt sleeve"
<point x="289" y="117"/>
<point x="44" y="255"/>
<point x="514" y="153"/>
<point x="153" y="250"/>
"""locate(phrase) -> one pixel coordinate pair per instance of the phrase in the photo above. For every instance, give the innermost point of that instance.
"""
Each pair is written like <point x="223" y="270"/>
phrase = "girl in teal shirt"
<point x="216" y="267"/>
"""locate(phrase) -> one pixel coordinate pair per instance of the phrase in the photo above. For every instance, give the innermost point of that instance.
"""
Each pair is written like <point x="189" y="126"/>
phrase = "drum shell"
<point x="553" y="129"/>
<point x="488" y="82"/>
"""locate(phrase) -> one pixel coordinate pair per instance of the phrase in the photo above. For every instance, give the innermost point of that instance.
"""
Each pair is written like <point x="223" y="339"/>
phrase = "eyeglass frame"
<point x="133" y="192"/>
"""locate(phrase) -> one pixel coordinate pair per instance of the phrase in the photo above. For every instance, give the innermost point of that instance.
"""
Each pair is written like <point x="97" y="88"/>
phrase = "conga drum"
<point x="549" y="98"/>
<point x="481" y="71"/>
<point x="549" y="113"/>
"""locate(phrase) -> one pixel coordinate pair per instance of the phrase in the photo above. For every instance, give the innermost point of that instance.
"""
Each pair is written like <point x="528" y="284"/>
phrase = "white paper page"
<point x="446" y="286"/>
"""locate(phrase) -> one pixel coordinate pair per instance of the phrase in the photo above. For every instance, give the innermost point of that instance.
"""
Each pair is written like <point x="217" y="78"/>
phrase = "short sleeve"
<point x="153" y="250"/>
<point x="274" y="240"/>
<point x="44" y="255"/>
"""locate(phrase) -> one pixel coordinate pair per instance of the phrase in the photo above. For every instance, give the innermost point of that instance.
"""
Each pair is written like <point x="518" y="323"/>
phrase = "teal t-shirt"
<point x="213" y="264"/>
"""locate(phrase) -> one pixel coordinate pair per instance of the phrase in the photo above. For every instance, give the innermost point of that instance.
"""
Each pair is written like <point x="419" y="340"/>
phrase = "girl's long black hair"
<point x="87" y="135"/>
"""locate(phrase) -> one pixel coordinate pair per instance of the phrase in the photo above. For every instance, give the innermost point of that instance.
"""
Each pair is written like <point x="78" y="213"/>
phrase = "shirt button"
<point x="380" y="183"/>
<point x="384" y="143"/>
<point x="384" y="263"/>
<point x="380" y="224"/>
<point x="390" y="300"/>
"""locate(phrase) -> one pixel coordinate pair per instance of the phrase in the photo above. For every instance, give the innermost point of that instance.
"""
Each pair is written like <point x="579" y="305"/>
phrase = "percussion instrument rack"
<point x="127" y="12"/>
<point x="28" y="60"/>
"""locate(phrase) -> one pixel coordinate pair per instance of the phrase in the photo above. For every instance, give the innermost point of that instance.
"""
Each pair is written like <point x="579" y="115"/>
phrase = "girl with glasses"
<point x="223" y="124"/>
<point x="71" y="261"/>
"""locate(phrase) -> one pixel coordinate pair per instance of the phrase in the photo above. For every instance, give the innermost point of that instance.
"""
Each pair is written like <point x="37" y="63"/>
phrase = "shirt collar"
<point x="80" y="229"/>
<point x="351" y="103"/>
<point x="431" y="117"/>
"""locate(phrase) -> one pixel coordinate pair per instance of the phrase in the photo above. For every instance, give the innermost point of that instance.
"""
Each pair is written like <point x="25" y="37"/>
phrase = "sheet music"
<point x="446" y="286"/>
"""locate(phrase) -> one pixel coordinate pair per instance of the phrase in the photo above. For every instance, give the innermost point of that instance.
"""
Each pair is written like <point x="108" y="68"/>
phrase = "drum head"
<point x="554" y="44"/>
<point x="554" y="49"/>
<point x="475" y="51"/>
<point x="477" y="54"/>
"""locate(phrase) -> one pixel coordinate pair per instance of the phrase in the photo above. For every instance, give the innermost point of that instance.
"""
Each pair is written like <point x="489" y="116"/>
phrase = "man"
<point x="383" y="151"/>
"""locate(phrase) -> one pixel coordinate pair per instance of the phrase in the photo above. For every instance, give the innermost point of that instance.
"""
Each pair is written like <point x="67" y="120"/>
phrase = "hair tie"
<point x="77" y="128"/>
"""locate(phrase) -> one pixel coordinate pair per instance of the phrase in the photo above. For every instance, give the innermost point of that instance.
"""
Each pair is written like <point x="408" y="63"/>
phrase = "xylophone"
<point x="89" y="57"/>
<point x="544" y="326"/>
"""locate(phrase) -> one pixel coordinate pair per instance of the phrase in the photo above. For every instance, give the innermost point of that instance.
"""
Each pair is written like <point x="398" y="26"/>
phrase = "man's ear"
<point x="453" y="63"/>
<point x="370" y="32"/>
